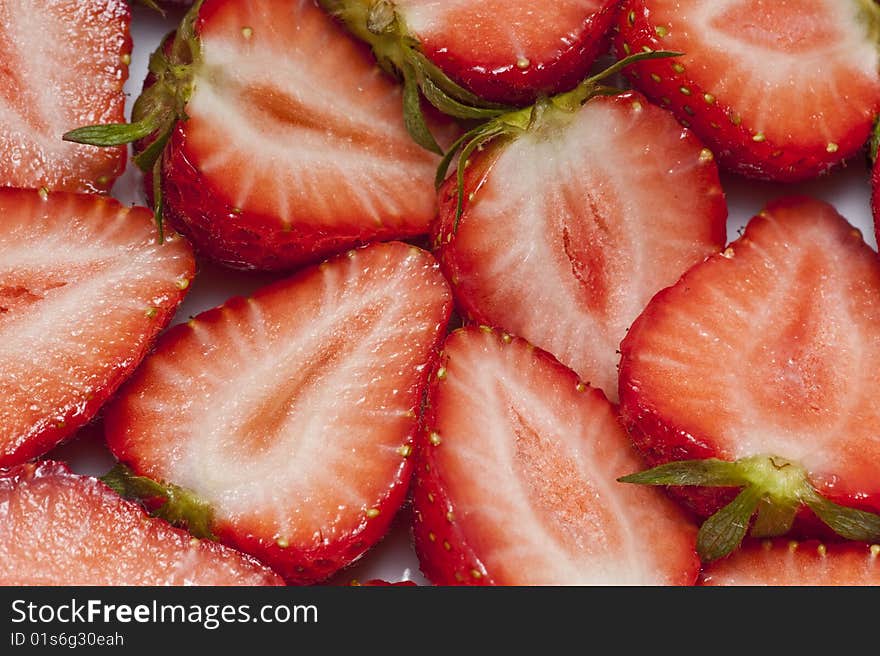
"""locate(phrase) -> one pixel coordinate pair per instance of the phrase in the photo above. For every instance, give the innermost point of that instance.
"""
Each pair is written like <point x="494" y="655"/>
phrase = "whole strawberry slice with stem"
<point x="778" y="90"/>
<point x="274" y="140"/>
<point x="58" y="528"/>
<point x="470" y="52"/>
<point x="756" y="372"/>
<point x="290" y="415"/>
<point x="84" y="291"/>
<point x="64" y="64"/>
<point x="571" y="215"/>
<point x="516" y="478"/>
<point x="789" y="563"/>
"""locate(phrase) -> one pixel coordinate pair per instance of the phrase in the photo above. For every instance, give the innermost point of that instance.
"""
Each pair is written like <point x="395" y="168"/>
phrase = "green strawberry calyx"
<point x="380" y="24"/>
<point x="174" y="504"/>
<point x="543" y="112"/>
<point x="157" y="110"/>
<point x="772" y="490"/>
<point x="869" y="12"/>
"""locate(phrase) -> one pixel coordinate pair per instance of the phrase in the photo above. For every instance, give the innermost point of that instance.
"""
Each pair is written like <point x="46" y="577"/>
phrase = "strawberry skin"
<point x="294" y="147"/>
<point x="769" y="348"/>
<point x="875" y="199"/>
<point x="787" y="563"/>
<point x="746" y="64"/>
<point x="515" y="481"/>
<point x="293" y="413"/>
<point x="511" y="51"/>
<point x="64" y="65"/>
<point x="84" y="291"/>
<point x="58" y="528"/>
<point x="567" y="231"/>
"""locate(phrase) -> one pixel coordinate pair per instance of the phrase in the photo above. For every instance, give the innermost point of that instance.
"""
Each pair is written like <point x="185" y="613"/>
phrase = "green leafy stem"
<point x="520" y="120"/>
<point x="158" y="109"/>
<point x="772" y="487"/>
<point x="379" y="24"/>
<point x="174" y="504"/>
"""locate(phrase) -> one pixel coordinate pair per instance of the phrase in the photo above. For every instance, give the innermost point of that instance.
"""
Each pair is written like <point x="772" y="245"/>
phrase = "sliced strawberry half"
<point x="57" y="528"/>
<point x="292" y="414"/>
<point x="758" y="370"/>
<point x="569" y="228"/>
<point x="63" y="65"/>
<point x="506" y="51"/>
<point x="787" y="563"/>
<point x="84" y="290"/>
<point x="276" y="139"/>
<point x="516" y="478"/>
<point x="778" y="90"/>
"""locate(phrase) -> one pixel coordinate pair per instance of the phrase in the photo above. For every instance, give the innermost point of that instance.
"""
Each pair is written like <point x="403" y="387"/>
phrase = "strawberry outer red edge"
<point x="238" y="238"/>
<point x="875" y="199"/>
<point x="733" y="145"/>
<point x="513" y="85"/>
<point x="242" y="239"/>
<point x="57" y="432"/>
<point x="445" y="557"/>
<point x="442" y="237"/>
<point x="659" y="441"/>
<point x="316" y="565"/>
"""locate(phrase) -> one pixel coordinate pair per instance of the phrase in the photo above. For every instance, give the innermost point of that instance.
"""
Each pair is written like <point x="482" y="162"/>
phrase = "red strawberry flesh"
<point x="84" y="290"/>
<point x="748" y="68"/>
<point x="511" y="51"/>
<point x="64" y="63"/>
<point x="568" y="231"/>
<point x="57" y="528"/>
<point x="516" y="479"/>
<point x="292" y="413"/>
<point x="785" y="563"/>
<point x="295" y="146"/>
<point x="768" y="349"/>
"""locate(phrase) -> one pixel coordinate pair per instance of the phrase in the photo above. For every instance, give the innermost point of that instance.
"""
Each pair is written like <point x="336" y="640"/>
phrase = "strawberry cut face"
<point x="768" y="349"/>
<point x="57" y="528"/>
<point x="511" y="50"/>
<point x="63" y="64"/>
<point x="84" y="290"/>
<point x="782" y="562"/>
<point x="788" y="28"/>
<point x="567" y="231"/>
<point x="295" y="147"/>
<point x="747" y="72"/>
<point x="516" y="482"/>
<point x="292" y="413"/>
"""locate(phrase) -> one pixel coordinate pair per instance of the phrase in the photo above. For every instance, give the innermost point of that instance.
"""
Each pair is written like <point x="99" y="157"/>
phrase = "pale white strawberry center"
<point x="61" y="70"/>
<point x="293" y="120"/>
<point x="289" y="414"/>
<point x="775" y="351"/>
<point x="574" y="207"/>
<point x="530" y="466"/>
<point x="78" y="281"/>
